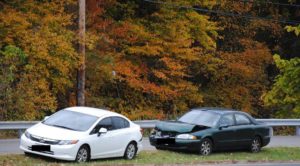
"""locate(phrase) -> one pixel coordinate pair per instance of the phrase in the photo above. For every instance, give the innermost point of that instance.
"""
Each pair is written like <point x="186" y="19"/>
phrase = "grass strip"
<point x="165" y="157"/>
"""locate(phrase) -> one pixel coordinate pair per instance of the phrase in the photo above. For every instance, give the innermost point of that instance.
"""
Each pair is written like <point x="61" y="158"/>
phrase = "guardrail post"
<point x="20" y="132"/>
<point x="297" y="130"/>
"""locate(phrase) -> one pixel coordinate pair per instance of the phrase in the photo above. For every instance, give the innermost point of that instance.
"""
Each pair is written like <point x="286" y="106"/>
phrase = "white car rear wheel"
<point x="130" y="151"/>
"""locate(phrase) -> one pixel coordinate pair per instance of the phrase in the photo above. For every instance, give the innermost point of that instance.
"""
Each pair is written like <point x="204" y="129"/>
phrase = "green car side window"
<point x="227" y="120"/>
<point x="242" y="119"/>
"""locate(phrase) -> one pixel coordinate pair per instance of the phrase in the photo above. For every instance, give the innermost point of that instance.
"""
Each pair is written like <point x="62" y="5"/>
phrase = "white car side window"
<point x="104" y="123"/>
<point x="119" y="123"/>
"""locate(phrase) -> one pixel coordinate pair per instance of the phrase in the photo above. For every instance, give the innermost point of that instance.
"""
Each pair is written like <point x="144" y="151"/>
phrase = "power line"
<point x="294" y="22"/>
<point x="271" y="3"/>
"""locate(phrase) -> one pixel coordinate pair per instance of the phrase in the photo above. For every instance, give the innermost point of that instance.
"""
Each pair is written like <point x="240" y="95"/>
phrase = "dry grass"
<point x="166" y="157"/>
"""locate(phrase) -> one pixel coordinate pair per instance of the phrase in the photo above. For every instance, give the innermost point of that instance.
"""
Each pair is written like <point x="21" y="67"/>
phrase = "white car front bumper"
<point x="62" y="152"/>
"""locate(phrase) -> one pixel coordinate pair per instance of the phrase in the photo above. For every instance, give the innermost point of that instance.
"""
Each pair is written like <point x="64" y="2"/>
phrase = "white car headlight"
<point x="186" y="136"/>
<point x="67" y="142"/>
<point x="27" y="134"/>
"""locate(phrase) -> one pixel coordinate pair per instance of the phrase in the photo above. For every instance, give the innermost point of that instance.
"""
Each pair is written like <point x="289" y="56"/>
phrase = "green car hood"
<point x="175" y="126"/>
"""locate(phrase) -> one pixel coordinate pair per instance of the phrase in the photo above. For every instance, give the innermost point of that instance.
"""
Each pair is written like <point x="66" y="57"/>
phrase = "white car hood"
<point x="56" y="133"/>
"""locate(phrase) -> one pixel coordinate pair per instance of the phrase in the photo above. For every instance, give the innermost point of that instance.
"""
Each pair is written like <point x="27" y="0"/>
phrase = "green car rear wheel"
<point x="255" y="145"/>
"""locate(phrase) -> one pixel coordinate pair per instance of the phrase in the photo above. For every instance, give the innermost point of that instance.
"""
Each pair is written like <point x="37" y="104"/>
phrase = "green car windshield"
<point x="203" y="118"/>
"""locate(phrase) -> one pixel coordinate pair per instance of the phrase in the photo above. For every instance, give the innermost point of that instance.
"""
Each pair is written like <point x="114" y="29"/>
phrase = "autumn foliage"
<point x="144" y="60"/>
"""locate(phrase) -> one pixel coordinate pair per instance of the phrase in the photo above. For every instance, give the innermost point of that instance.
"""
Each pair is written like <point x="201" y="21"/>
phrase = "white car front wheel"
<point x="83" y="154"/>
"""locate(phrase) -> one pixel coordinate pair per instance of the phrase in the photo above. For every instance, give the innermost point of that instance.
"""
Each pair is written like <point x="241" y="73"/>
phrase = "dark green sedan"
<point x="209" y="129"/>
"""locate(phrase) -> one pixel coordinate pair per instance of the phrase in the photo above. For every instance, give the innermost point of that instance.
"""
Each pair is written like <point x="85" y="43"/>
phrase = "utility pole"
<point x="81" y="69"/>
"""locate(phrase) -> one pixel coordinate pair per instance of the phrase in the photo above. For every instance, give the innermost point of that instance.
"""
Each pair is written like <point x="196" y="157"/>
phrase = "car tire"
<point x="206" y="147"/>
<point x="83" y="154"/>
<point x="159" y="148"/>
<point x="28" y="154"/>
<point x="255" y="145"/>
<point x="130" y="151"/>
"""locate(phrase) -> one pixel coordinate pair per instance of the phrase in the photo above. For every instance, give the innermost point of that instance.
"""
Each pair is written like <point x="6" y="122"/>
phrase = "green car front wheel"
<point x="206" y="147"/>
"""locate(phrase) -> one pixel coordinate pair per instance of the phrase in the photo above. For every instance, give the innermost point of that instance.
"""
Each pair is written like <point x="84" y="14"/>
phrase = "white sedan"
<point x="83" y="133"/>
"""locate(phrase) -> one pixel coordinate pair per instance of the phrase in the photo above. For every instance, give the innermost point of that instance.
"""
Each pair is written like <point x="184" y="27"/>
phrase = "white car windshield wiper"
<point x="64" y="127"/>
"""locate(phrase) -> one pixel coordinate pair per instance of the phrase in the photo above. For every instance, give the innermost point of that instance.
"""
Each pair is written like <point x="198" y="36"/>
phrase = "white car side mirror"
<point x="46" y="117"/>
<point x="102" y="131"/>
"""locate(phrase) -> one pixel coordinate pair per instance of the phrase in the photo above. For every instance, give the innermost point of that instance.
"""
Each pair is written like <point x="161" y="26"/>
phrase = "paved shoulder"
<point x="285" y="141"/>
<point x="9" y="146"/>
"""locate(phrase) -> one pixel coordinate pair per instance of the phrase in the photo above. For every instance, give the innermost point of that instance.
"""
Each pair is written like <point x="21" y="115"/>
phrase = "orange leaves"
<point x="247" y="64"/>
<point x="127" y="69"/>
<point x="41" y="30"/>
<point x="95" y="8"/>
<point x="146" y="50"/>
<point x="136" y="78"/>
<point x="145" y="114"/>
<point x="160" y="75"/>
<point x="241" y="78"/>
<point x="173" y="66"/>
<point x="152" y="54"/>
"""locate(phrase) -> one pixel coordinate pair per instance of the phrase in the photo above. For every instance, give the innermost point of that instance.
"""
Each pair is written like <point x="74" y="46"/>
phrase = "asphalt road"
<point x="11" y="146"/>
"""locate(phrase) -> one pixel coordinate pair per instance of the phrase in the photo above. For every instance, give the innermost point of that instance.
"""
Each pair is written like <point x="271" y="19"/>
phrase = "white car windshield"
<point x="198" y="117"/>
<point x="71" y="120"/>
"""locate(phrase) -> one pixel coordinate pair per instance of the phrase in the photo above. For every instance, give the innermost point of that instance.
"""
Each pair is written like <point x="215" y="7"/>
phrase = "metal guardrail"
<point x="269" y="122"/>
<point x="147" y="124"/>
<point x="16" y="125"/>
<point x="280" y="122"/>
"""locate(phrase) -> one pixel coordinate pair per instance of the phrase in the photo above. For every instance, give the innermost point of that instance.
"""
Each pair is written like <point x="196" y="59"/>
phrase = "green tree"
<point x="285" y="93"/>
<point x="12" y="60"/>
<point x="33" y="83"/>
<point x="238" y="72"/>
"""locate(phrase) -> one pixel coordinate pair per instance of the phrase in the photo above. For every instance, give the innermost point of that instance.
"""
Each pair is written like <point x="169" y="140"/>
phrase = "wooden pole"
<point x="81" y="69"/>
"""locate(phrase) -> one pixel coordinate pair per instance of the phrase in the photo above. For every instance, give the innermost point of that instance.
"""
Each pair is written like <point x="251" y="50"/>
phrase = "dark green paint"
<point x="226" y="137"/>
<point x="175" y="126"/>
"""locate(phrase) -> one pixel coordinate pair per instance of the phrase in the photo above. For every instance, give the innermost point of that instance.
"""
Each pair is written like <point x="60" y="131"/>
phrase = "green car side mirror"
<point x="223" y="126"/>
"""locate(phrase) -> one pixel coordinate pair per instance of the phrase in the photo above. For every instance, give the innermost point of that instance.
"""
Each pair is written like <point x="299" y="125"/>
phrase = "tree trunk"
<point x="81" y="69"/>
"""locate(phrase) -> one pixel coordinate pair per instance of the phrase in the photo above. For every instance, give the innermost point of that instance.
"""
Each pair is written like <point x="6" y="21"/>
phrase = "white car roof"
<point x="92" y="111"/>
